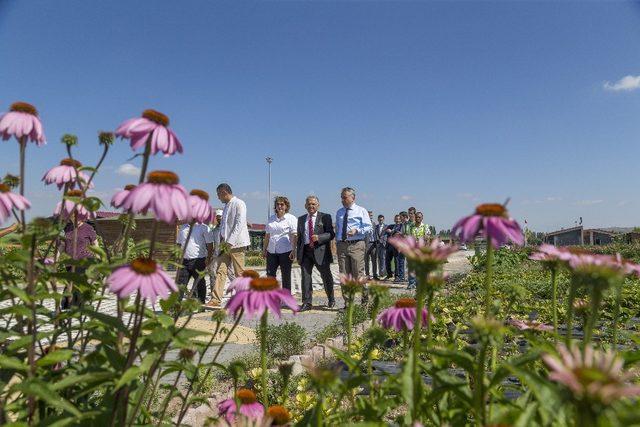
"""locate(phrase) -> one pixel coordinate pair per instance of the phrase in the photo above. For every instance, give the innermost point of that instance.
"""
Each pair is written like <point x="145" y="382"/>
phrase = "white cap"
<point x="218" y="212"/>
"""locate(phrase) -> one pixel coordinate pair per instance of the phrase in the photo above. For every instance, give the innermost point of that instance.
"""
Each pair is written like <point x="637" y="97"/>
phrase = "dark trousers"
<point x="194" y="268"/>
<point x="307" y="263"/>
<point x="400" y="261"/>
<point x="390" y="256"/>
<point x="76" y="297"/>
<point x="284" y="262"/>
<point x="371" y="255"/>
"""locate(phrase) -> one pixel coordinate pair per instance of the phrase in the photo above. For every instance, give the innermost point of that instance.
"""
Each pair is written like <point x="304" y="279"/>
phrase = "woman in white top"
<point x="280" y="240"/>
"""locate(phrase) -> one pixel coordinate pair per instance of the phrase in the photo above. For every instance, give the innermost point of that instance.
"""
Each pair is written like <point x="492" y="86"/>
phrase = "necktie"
<point x="344" y="224"/>
<point x="310" y="227"/>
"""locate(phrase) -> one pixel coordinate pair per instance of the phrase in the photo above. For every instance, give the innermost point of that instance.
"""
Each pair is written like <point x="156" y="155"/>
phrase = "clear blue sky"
<point x="440" y="105"/>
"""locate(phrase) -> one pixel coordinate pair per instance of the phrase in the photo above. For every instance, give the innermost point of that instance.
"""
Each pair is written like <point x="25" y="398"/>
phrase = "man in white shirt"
<point x="234" y="240"/>
<point x="198" y="251"/>
<point x="352" y="226"/>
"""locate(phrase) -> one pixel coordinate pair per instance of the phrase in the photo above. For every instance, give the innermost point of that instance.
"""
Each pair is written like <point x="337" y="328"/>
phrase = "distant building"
<point x="576" y="236"/>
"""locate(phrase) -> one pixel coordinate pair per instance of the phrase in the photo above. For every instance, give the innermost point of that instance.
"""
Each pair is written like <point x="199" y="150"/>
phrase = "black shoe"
<point x="331" y="303"/>
<point x="376" y="278"/>
<point x="305" y="307"/>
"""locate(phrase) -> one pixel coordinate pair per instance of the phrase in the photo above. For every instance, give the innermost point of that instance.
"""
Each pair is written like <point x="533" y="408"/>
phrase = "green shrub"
<point x="285" y="340"/>
<point x="255" y="261"/>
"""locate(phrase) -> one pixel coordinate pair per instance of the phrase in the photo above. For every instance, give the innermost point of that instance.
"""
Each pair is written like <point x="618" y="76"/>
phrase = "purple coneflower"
<point x="199" y="206"/>
<point x="152" y="127"/>
<point x="491" y="220"/>
<point x="421" y="252"/>
<point x="264" y="293"/>
<point x="552" y="254"/>
<point x="592" y="375"/>
<point x="402" y="316"/>
<point x="243" y="282"/>
<point x="143" y="275"/>
<point x="68" y="207"/>
<point x="530" y="325"/>
<point x="65" y="173"/>
<point x="118" y="199"/>
<point x="249" y="406"/>
<point x="22" y="121"/>
<point x="162" y="194"/>
<point x="10" y="201"/>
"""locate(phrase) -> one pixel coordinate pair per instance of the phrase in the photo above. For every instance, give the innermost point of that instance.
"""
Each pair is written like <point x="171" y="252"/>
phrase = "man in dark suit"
<point x="315" y="232"/>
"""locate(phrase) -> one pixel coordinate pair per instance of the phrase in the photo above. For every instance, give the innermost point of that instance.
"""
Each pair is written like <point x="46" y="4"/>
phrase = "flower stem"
<point x="479" y="389"/>
<point x="616" y="315"/>
<point x="263" y="358"/>
<point x="596" y="298"/>
<point x="417" y="335"/>
<point x="23" y="149"/>
<point x="488" y="279"/>
<point x="554" y="301"/>
<point x="349" y="322"/>
<point x="572" y="296"/>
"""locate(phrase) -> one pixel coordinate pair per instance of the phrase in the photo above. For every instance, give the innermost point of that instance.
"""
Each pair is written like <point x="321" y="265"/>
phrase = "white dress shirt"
<point x="314" y="217"/>
<point x="280" y="231"/>
<point x="197" y="246"/>
<point x="233" y="227"/>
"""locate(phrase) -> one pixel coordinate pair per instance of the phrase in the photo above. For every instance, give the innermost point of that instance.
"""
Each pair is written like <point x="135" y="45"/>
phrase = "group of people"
<point x="362" y="248"/>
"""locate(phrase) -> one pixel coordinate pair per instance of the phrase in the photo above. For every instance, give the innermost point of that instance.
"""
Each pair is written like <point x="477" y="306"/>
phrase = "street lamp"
<point x="269" y="160"/>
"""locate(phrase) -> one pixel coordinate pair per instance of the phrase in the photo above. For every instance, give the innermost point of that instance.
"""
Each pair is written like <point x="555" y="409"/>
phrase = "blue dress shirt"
<point x="357" y="219"/>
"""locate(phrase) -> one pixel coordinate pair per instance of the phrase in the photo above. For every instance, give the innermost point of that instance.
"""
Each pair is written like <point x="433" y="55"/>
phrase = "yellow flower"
<point x="255" y="373"/>
<point x="375" y="354"/>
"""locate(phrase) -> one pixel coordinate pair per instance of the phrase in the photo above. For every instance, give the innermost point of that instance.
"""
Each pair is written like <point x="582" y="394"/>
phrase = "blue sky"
<point x="439" y="105"/>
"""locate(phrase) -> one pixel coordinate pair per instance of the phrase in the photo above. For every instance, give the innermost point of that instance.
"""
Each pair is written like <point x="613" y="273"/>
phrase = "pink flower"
<point x="402" y="316"/>
<point x="249" y="406"/>
<point x="68" y="207"/>
<point x="264" y="293"/>
<point x="592" y="375"/>
<point x="143" y="275"/>
<point x="525" y="325"/>
<point x="162" y="194"/>
<point x="600" y="270"/>
<point x="66" y="174"/>
<point x="200" y="208"/>
<point x="491" y="221"/>
<point x="118" y="199"/>
<point x="22" y="121"/>
<point x="351" y="284"/>
<point x="152" y="127"/>
<point x="243" y="282"/>
<point x="421" y="252"/>
<point x="552" y="254"/>
<point x="10" y="201"/>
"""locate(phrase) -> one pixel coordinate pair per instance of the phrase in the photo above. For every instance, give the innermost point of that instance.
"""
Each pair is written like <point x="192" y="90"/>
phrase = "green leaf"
<point x="55" y="357"/>
<point x="13" y="363"/>
<point x="83" y="378"/>
<point x="164" y="320"/>
<point x="130" y="375"/>
<point x="527" y="416"/>
<point x="41" y="390"/>
<point x="112" y="321"/>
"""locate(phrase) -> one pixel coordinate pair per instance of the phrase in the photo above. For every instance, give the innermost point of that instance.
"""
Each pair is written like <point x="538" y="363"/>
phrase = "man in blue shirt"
<point x="352" y="226"/>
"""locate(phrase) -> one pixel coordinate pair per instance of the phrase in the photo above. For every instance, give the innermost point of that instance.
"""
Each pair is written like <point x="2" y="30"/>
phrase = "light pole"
<point x="269" y="160"/>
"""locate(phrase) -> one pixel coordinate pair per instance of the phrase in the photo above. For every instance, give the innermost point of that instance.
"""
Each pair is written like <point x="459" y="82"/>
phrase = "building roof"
<point x="611" y="231"/>
<point x="565" y="230"/>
